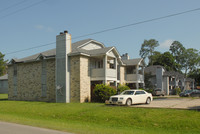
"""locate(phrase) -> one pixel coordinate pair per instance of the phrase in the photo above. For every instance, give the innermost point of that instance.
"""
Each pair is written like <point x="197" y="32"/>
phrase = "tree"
<point x="2" y="64"/>
<point x="177" y="50"/>
<point x="195" y="74"/>
<point x="155" y="57"/>
<point x="191" y="60"/>
<point x="147" y="48"/>
<point x="167" y="60"/>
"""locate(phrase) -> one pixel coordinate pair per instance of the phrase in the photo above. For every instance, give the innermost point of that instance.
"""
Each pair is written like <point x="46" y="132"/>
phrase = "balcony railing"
<point x="100" y="72"/>
<point x="134" y="77"/>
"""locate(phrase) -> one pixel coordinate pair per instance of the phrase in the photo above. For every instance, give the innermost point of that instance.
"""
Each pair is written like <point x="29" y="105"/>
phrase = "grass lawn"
<point x="95" y="118"/>
<point x="3" y="96"/>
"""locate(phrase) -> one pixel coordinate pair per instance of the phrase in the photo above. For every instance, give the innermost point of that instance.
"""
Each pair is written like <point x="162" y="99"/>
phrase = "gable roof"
<point x="132" y="61"/>
<point x="90" y="52"/>
<point x="75" y="50"/>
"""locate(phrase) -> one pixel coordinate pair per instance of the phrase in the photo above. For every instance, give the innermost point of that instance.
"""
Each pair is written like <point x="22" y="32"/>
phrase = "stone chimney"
<point x="63" y="47"/>
<point x="125" y="56"/>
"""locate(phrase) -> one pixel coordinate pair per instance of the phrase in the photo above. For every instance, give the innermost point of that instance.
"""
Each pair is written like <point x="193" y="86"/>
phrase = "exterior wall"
<point x="29" y="85"/>
<point x="75" y="79"/>
<point x="85" y="88"/>
<point x="3" y="86"/>
<point x="122" y="75"/>
<point x="80" y="79"/>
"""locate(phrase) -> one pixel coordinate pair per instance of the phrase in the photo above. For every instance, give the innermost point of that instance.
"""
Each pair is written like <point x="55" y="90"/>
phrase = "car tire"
<point x="148" y="101"/>
<point x="128" y="102"/>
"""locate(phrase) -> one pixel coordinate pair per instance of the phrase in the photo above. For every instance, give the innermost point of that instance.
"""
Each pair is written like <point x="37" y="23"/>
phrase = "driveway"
<point x="12" y="128"/>
<point x="175" y="103"/>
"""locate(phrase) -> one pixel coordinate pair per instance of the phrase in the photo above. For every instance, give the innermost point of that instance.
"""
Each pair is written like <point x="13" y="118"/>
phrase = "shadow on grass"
<point x="3" y="99"/>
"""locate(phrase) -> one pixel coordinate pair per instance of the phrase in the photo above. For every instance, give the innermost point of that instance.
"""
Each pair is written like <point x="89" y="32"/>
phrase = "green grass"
<point x="3" y="96"/>
<point x="90" y="118"/>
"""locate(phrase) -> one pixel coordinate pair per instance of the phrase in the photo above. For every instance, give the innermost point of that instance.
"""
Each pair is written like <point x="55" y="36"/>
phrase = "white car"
<point x="129" y="97"/>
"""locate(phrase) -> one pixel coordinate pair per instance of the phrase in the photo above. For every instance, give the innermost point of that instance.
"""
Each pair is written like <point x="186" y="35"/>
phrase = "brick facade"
<point x="29" y="81"/>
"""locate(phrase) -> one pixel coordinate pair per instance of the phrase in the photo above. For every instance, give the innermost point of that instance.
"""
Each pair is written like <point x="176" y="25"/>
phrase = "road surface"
<point x="12" y="128"/>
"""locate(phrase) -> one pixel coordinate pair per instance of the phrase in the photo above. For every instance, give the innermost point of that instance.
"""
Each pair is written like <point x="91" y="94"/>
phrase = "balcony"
<point x="100" y="73"/>
<point x="134" y="77"/>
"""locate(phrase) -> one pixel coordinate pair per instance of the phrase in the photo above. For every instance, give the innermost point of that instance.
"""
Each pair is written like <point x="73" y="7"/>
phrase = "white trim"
<point x="90" y="42"/>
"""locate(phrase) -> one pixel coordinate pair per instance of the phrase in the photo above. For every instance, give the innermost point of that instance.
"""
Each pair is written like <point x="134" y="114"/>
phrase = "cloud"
<point x="44" y="28"/>
<point x="40" y="27"/>
<point x="166" y="44"/>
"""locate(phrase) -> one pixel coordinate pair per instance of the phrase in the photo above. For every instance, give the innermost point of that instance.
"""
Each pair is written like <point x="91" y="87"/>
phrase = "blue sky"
<point x="39" y="25"/>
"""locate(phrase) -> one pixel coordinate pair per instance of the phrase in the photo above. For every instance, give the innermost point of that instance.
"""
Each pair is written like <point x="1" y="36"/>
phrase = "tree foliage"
<point x="148" y="48"/>
<point x="121" y="88"/>
<point x="191" y="60"/>
<point x="195" y="74"/>
<point x="167" y="60"/>
<point x="2" y="64"/>
<point x="178" y="51"/>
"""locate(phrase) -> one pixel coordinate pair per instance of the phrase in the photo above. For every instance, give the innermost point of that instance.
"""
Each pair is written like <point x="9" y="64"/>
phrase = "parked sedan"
<point x="129" y="97"/>
<point x="185" y="93"/>
<point x="158" y="92"/>
<point x="195" y="93"/>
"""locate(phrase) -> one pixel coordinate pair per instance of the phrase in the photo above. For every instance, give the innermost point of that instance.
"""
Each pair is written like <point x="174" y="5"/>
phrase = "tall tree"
<point x="191" y="60"/>
<point x="167" y="60"/>
<point x="178" y="50"/>
<point x="148" y="48"/>
<point x="2" y="64"/>
<point x="195" y="74"/>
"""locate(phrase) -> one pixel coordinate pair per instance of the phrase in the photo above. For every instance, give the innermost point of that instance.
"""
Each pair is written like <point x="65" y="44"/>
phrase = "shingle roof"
<point x="132" y="61"/>
<point x="75" y="50"/>
<point x="79" y="43"/>
<point x="91" y="52"/>
<point x="4" y="77"/>
<point x="48" y="53"/>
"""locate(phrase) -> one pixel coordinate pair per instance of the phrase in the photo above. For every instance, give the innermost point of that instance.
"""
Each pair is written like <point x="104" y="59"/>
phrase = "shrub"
<point x="148" y="90"/>
<point x="177" y="91"/>
<point x="103" y="92"/>
<point x="121" y="88"/>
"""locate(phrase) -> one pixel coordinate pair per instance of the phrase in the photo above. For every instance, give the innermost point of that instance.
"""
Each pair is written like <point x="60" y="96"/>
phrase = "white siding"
<point x="91" y="46"/>
<point x="111" y="54"/>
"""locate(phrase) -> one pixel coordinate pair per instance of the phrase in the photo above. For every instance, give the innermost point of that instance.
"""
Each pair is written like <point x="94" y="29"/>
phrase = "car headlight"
<point x="121" y="98"/>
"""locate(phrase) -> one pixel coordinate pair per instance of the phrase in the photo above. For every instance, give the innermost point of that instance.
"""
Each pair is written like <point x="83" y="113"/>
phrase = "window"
<point x="15" y="70"/>
<point x="99" y="64"/>
<point x="43" y="79"/>
<point x="131" y="70"/>
<point x="139" y="92"/>
<point x="15" y="80"/>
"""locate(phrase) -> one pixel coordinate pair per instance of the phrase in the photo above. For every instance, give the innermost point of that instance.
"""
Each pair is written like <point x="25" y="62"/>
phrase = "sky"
<point x="30" y="23"/>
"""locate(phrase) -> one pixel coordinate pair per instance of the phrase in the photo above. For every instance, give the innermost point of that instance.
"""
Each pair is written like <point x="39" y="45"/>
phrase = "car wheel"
<point x="129" y="102"/>
<point x="148" y="101"/>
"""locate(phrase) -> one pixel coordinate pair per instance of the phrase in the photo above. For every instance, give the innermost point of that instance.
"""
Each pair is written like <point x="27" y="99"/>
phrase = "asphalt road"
<point x="12" y="128"/>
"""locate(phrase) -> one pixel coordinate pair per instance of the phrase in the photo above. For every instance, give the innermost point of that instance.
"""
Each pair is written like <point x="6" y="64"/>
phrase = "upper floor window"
<point x="131" y="70"/>
<point x="99" y="64"/>
<point x="15" y="70"/>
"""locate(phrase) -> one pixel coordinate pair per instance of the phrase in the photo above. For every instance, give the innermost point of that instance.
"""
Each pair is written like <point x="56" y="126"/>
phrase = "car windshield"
<point x="127" y="93"/>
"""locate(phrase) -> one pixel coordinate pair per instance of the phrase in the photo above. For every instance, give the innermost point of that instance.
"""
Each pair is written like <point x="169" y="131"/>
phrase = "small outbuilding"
<point x="4" y="84"/>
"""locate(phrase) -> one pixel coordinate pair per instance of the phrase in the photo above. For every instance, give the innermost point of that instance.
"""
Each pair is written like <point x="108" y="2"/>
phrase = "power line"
<point x="31" y="48"/>
<point x="115" y="28"/>
<point x="34" y="4"/>
<point x="12" y="6"/>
